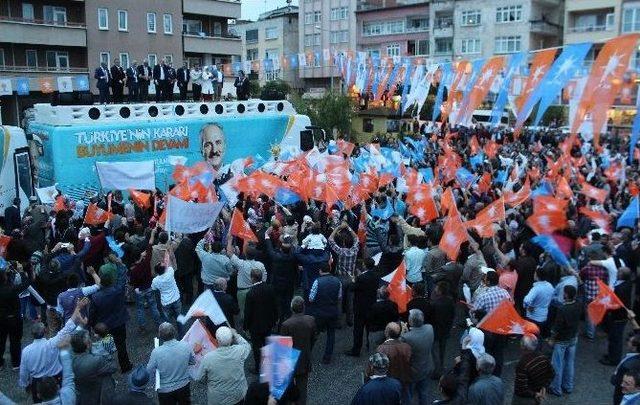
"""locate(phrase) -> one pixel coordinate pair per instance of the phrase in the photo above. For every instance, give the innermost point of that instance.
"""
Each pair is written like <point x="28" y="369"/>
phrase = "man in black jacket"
<point x="365" y="289"/>
<point x="284" y="269"/>
<point x="187" y="262"/>
<point x="260" y="313"/>
<point x="564" y="336"/>
<point x="617" y="319"/>
<point x="382" y="312"/>
<point x="10" y="318"/>
<point x="160" y="79"/>
<point x="12" y="216"/>
<point x="183" y="80"/>
<point x="132" y="82"/>
<point x="117" y="84"/>
<point x="145" y="73"/>
<point x="227" y="303"/>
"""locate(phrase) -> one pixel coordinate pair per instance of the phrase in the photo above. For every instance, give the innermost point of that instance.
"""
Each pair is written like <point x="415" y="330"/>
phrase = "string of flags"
<point x="62" y="84"/>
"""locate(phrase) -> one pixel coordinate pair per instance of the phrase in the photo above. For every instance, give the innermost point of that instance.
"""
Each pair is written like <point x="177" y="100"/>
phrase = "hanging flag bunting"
<point x="65" y="84"/>
<point x="445" y="78"/>
<point x="540" y="65"/>
<point x="82" y="83"/>
<point x="462" y="68"/>
<point x="480" y="89"/>
<point x="515" y="62"/>
<point x="6" y="89"/>
<point x="23" y="87"/>
<point x="46" y="85"/>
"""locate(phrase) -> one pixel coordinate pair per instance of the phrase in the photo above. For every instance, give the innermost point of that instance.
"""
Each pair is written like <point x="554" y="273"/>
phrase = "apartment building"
<point x="325" y="24"/>
<point x="393" y="28"/>
<point x="272" y="36"/>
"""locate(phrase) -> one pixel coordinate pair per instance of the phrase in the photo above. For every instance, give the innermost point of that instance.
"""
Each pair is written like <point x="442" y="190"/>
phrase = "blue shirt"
<point x="413" y="258"/>
<point x="538" y="299"/>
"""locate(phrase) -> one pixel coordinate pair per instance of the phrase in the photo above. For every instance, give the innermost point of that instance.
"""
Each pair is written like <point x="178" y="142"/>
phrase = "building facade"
<point x="273" y="36"/>
<point x="325" y="24"/>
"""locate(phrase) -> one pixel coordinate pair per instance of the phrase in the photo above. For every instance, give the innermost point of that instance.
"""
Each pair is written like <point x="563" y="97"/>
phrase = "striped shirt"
<point x="533" y="372"/>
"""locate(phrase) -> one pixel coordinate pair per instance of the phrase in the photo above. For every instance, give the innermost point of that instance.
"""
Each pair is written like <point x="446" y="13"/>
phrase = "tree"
<point x="275" y="90"/>
<point x="333" y="110"/>
<point x="254" y="88"/>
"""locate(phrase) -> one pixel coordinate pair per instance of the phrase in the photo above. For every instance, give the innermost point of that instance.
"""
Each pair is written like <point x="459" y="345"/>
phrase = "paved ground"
<point x="337" y="383"/>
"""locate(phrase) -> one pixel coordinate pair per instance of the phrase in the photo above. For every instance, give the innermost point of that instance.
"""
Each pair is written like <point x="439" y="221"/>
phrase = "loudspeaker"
<point x="84" y="98"/>
<point x="74" y="98"/>
<point x="306" y="140"/>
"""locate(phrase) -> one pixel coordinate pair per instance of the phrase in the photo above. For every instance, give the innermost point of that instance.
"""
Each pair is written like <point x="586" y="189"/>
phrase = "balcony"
<point x="39" y="32"/>
<point x="214" y="8"/>
<point x="548" y="3"/>
<point x="218" y="45"/>
<point x="588" y="33"/>
<point x="544" y="28"/>
<point x="443" y="27"/>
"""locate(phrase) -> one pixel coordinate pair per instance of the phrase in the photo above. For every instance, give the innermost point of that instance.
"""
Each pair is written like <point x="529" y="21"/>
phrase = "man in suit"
<point x="302" y="329"/>
<point x="187" y="262"/>
<point x="132" y="82"/>
<point x="12" y="216"/>
<point x="364" y="296"/>
<point x="171" y="82"/>
<point x="92" y="372"/>
<point x="399" y="354"/>
<point x="381" y="313"/>
<point x="183" y="80"/>
<point x="630" y="362"/>
<point x="325" y="297"/>
<point x="228" y="305"/>
<point x="103" y="76"/>
<point x="260" y="313"/>
<point x="420" y="338"/>
<point x="145" y="73"/>
<point x="117" y="84"/>
<point x="242" y="86"/>
<point x="160" y="79"/>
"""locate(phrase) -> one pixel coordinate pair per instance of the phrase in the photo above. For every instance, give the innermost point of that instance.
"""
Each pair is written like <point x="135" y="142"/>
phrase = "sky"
<point x="251" y="9"/>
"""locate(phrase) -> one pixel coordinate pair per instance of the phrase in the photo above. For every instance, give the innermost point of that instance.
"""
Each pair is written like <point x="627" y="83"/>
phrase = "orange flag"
<point x="345" y="147"/>
<point x="494" y="212"/>
<point x="425" y="207"/>
<point x="59" y="204"/>
<point x="448" y="202"/>
<point x="362" y="226"/>
<point x="484" y="184"/>
<point x="545" y="203"/>
<point x="463" y="69"/>
<point x="604" y="83"/>
<point x="599" y="218"/>
<point x="142" y="200"/>
<point x="483" y="226"/>
<point x="453" y="236"/>
<point x="474" y="145"/>
<point x="491" y="149"/>
<point x="481" y="87"/>
<point x="539" y="67"/>
<point x="399" y="291"/>
<point x="505" y="320"/>
<point x="4" y="242"/>
<point x="514" y="199"/>
<point x="241" y="228"/>
<point x="96" y="216"/>
<point x="595" y="193"/>
<point x="546" y="223"/>
<point x="563" y="190"/>
<point x="605" y="301"/>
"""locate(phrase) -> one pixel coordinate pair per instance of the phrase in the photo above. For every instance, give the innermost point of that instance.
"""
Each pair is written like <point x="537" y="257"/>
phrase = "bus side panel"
<point x="12" y="139"/>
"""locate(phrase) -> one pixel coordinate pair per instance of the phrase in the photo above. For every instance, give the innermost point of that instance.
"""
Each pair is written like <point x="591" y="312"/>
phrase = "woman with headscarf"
<point x="207" y="84"/>
<point x="465" y="367"/>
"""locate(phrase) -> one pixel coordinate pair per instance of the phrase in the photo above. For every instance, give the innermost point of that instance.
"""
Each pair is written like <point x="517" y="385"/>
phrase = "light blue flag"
<point x="545" y="188"/>
<point x="377" y="72"/>
<point x="477" y="160"/>
<point x="383" y="213"/>
<point x="515" y="62"/>
<point x="629" y="216"/>
<point x="115" y="247"/>
<point x="393" y="75"/>
<point x="82" y="83"/>
<point x="405" y="87"/>
<point x="476" y="67"/>
<point x="563" y="69"/>
<point x="285" y="196"/>
<point x="445" y="81"/>
<point x="22" y="86"/>
<point x="465" y="177"/>
<point x="549" y="245"/>
<point x="635" y="132"/>
<point x="427" y="174"/>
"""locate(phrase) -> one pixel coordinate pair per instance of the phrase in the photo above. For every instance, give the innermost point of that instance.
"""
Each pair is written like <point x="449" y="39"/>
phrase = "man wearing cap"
<point x="380" y="389"/>
<point x="135" y="395"/>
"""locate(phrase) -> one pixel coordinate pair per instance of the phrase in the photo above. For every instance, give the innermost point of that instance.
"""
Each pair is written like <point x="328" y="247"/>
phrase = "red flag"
<point x="493" y="212"/>
<point x="59" y="204"/>
<point x="142" y="200"/>
<point x="463" y="69"/>
<point x="604" y="83"/>
<point x="491" y="149"/>
<point x="482" y="225"/>
<point x="563" y="190"/>
<point x="504" y="320"/>
<point x="423" y="206"/>
<point x="241" y="228"/>
<point x="605" y="300"/>
<point x="399" y="291"/>
<point x="514" y="199"/>
<point x="453" y="236"/>
<point x="601" y="219"/>
<point x="345" y="147"/>
<point x="362" y="226"/>
<point x="484" y="184"/>
<point x="539" y="67"/>
<point x="481" y="88"/>
<point x="448" y="201"/>
<point x="96" y="216"/>
<point x="547" y="222"/>
<point x="595" y="193"/>
<point x="545" y="203"/>
<point x="4" y="243"/>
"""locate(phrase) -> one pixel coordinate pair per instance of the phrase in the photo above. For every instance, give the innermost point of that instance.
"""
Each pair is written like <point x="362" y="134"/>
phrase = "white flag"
<point x="6" y="89"/>
<point x="47" y="195"/>
<point x="126" y="175"/>
<point x="191" y="217"/>
<point x="205" y="305"/>
<point x="65" y="84"/>
<point x="201" y="342"/>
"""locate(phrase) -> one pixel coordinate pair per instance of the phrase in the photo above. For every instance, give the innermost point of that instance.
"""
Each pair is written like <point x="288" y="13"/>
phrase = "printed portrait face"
<point x="213" y="145"/>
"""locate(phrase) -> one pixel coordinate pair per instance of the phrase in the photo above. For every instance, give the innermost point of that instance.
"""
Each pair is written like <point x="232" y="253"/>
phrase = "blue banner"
<point x="515" y="61"/>
<point x="82" y="83"/>
<point x="22" y="86"/>
<point x="635" y="132"/>
<point x="445" y="81"/>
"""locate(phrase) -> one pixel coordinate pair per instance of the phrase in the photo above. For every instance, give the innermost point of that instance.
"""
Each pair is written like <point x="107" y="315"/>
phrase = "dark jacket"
<point x="260" y="309"/>
<point x="442" y="310"/>
<point x="11" y="218"/>
<point x="132" y="76"/>
<point x="302" y="328"/>
<point x="50" y="284"/>
<point x="228" y="305"/>
<point x="381" y="313"/>
<point x="325" y="302"/>
<point x="623" y="291"/>
<point x="156" y="72"/>
<point x="133" y="398"/>
<point x="379" y="391"/>
<point x="284" y="268"/>
<point x="242" y="88"/>
<point x="565" y="326"/>
<point x="311" y="260"/>
<point x="9" y="300"/>
<point x="399" y="354"/>
<point x="118" y="75"/>
<point x="141" y="73"/>
<point x="182" y="82"/>
<point x="108" y="304"/>
<point x="631" y="362"/>
<point x="364" y="293"/>
<point x="186" y="258"/>
<point x="103" y="77"/>
<point x="92" y="373"/>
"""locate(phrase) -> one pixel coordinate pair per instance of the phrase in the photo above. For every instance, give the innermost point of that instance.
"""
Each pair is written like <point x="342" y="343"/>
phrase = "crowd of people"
<point x="206" y="82"/>
<point x="318" y="266"/>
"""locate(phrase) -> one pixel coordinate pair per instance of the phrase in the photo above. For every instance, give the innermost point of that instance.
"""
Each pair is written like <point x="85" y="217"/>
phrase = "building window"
<point x="317" y="16"/>
<point x="27" y="12"/>
<point x="444" y="45"/>
<point x="217" y="29"/>
<point x="103" y="19"/>
<point x="631" y="20"/>
<point x="509" y="14"/>
<point x="418" y="47"/>
<point x="339" y="13"/>
<point x="252" y="54"/>
<point x="417" y="24"/>
<point x="167" y="23"/>
<point x="151" y="23"/>
<point x="272" y="54"/>
<point x="192" y="27"/>
<point x="271" y="33"/>
<point x="393" y="50"/>
<point x="508" y="44"/>
<point x="168" y="59"/>
<point x="58" y="60"/>
<point x="55" y="15"/>
<point x="370" y="29"/>
<point x="308" y="40"/>
<point x="251" y="36"/>
<point x="367" y="125"/>
<point x="123" y="23"/>
<point x="1" y="57"/>
<point x="105" y="57"/>
<point x="373" y="53"/>
<point x="468" y="46"/>
<point x="471" y="17"/>
<point x="153" y="59"/>
<point x="316" y="39"/>
<point x="31" y="57"/>
<point x="339" y="36"/>
<point x="124" y="60"/>
<point x="308" y="18"/>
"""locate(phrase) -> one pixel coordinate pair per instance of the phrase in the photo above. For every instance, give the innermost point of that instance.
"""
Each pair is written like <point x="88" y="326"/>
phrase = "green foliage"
<point x="333" y="110"/>
<point x="275" y="90"/>
<point x="557" y="114"/>
<point x="254" y="88"/>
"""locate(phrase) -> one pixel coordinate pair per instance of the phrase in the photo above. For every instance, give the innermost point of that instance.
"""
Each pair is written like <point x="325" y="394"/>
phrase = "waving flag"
<point x="514" y="199"/>
<point x="604" y="83"/>
<point x="142" y="200"/>
<point x="606" y="300"/>
<point x="399" y="291"/>
<point x="96" y="216"/>
<point x="480" y="88"/>
<point x="545" y="203"/>
<point x="4" y="242"/>
<point x="494" y="212"/>
<point x="563" y="69"/>
<point x="630" y="214"/>
<point x="448" y="202"/>
<point x="515" y="62"/>
<point x="454" y="84"/>
<point x="445" y="78"/>
<point x="540" y="65"/>
<point x="550" y="246"/>
<point x="60" y="204"/>
<point x="563" y="190"/>
<point x="547" y="222"/>
<point x="409" y="71"/>
<point x="240" y="228"/>
<point x="505" y="320"/>
<point x="454" y="235"/>
<point x="595" y="193"/>
<point x="465" y="177"/>
<point x="383" y="213"/>
<point x="635" y="132"/>
<point x="601" y="219"/>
